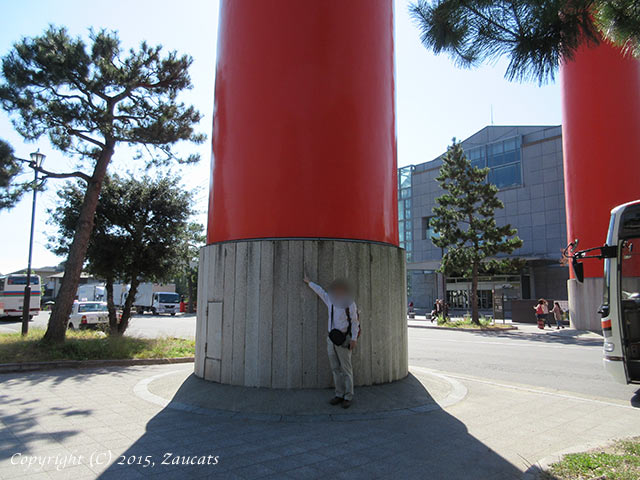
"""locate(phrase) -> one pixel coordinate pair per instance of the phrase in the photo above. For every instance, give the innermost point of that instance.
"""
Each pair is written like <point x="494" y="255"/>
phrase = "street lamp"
<point x="36" y="162"/>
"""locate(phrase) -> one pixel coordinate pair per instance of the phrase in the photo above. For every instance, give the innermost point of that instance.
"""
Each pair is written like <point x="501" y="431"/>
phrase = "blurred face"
<point x="339" y="292"/>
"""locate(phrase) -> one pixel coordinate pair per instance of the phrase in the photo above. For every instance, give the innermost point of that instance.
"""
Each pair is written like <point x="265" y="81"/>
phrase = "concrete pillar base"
<point x="259" y="325"/>
<point x="584" y="300"/>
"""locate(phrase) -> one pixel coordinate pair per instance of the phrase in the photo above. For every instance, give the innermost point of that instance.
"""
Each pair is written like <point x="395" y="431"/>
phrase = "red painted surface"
<point x="304" y="138"/>
<point x="601" y="141"/>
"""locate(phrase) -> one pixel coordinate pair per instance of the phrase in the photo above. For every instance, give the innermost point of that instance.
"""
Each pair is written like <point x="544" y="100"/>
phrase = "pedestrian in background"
<point x="557" y="314"/>
<point x="542" y="313"/>
<point x="547" y="314"/>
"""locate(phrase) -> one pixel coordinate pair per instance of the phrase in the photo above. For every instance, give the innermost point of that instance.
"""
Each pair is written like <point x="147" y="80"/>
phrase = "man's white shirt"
<point x="340" y="320"/>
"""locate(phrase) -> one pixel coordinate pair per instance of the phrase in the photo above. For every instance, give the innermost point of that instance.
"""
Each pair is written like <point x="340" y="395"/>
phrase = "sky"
<point x="436" y="101"/>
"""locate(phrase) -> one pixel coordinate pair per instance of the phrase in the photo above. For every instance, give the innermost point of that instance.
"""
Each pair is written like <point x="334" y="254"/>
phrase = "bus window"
<point x="630" y="303"/>
<point x="607" y="285"/>
<point x="22" y="280"/>
<point x="630" y="271"/>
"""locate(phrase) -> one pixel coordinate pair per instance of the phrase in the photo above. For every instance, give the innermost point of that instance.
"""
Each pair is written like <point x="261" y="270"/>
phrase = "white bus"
<point x="620" y="308"/>
<point x="12" y="294"/>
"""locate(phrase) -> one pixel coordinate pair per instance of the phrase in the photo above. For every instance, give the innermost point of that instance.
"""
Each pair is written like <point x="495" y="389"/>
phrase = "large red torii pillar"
<point x="304" y="179"/>
<point x="601" y="146"/>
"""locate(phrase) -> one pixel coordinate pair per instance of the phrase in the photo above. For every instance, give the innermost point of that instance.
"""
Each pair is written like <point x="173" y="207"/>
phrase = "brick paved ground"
<point x="495" y="432"/>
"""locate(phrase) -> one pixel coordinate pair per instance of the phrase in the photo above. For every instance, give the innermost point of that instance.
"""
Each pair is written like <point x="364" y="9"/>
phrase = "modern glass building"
<point x="405" y="229"/>
<point x="525" y="163"/>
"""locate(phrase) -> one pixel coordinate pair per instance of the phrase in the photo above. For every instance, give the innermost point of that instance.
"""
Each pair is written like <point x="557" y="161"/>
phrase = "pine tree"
<point x="534" y="35"/>
<point x="89" y="99"/>
<point x="140" y="230"/>
<point x="11" y="188"/>
<point x="464" y="221"/>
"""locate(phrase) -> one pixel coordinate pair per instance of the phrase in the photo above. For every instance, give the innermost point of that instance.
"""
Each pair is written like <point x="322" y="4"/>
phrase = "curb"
<point x="488" y="329"/>
<point x="124" y="362"/>
<point x="535" y="471"/>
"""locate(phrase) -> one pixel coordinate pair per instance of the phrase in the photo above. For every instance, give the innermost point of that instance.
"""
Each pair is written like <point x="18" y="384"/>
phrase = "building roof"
<point x="497" y="133"/>
<point x="36" y="270"/>
<point x="82" y="275"/>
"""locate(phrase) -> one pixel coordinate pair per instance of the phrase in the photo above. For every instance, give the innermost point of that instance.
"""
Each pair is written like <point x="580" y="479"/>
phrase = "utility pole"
<point x="36" y="162"/>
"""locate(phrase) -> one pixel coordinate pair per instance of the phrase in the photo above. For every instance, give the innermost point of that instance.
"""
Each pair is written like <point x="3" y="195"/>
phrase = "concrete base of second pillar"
<point x="584" y="301"/>
<point x="259" y="325"/>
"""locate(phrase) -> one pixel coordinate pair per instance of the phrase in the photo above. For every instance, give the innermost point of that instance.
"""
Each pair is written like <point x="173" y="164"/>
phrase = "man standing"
<point x="343" y="328"/>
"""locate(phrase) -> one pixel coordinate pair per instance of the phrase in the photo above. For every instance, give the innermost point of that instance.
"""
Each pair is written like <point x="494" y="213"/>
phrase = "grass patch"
<point x="90" y="345"/>
<point x="466" y="323"/>
<point x="621" y="461"/>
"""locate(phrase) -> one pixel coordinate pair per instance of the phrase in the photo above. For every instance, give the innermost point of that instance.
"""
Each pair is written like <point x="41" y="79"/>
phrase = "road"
<point x="558" y="362"/>
<point x="147" y="325"/>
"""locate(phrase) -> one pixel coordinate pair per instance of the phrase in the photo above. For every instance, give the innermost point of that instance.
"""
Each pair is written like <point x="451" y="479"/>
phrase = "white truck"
<point x="157" y="299"/>
<point x="91" y="292"/>
<point x="120" y="294"/>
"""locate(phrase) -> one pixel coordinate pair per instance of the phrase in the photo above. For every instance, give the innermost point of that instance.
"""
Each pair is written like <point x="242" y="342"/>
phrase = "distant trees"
<point x="464" y="221"/>
<point x="187" y="276"/>
<point x="140" y="231"/>
<point x="89" y="99"/>
<point x="534" y="35"/>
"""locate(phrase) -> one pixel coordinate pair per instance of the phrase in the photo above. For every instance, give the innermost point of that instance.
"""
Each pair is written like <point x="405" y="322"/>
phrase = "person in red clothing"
<point x="542" y="313"/>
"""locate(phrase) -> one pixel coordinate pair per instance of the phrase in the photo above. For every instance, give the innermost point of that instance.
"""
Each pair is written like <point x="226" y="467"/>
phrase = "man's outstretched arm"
<point x="355" y="325"/>
<point x="324" y="296"/>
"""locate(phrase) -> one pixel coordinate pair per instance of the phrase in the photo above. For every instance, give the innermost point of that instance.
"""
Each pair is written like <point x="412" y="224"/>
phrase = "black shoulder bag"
<point x="336" y="336"/>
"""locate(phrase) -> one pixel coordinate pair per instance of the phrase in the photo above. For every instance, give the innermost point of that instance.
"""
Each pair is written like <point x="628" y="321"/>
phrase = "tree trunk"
<point x="61" y="311"/>
<point x="475" y="318"/>
<point x="128" y="304"/>
<point x="190" y="291"/>
<point x="113" y="315"/>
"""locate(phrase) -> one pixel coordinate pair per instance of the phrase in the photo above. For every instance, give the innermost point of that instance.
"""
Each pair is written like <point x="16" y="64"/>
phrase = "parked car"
<point x="88" y="314"/>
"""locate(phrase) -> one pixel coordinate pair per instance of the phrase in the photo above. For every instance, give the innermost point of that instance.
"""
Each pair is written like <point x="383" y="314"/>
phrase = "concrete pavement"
<point x="526" y="395"/>
<point x="495" y="432"/>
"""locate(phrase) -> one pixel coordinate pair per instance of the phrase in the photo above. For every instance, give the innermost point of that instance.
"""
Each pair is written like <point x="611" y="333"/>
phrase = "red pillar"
<point x="601" y="141"/>
<point x="303" y="183"/>
<point x="304" y="140"/>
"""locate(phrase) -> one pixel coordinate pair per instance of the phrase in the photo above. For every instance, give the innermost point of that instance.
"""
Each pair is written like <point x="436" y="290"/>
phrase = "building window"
<point x="485" y="299"/>
<point x="503" y="159"/>
<point x="460" y="299"/>
<point x="506" y="176"/>
<point x="427" y="230"/>
<point x="404" y="208"/>
<point x="477" y="157"/>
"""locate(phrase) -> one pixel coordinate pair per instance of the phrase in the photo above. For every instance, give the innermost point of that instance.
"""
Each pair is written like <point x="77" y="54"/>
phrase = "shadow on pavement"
<point x="408" y="394"/>
<point x="433" y="445"/>
<point x="21" y="430"/>
<point x="61" y="376"/>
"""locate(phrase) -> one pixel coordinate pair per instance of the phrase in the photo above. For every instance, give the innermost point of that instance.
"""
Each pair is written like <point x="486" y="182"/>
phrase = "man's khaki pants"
<point x="340" y="361"/>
